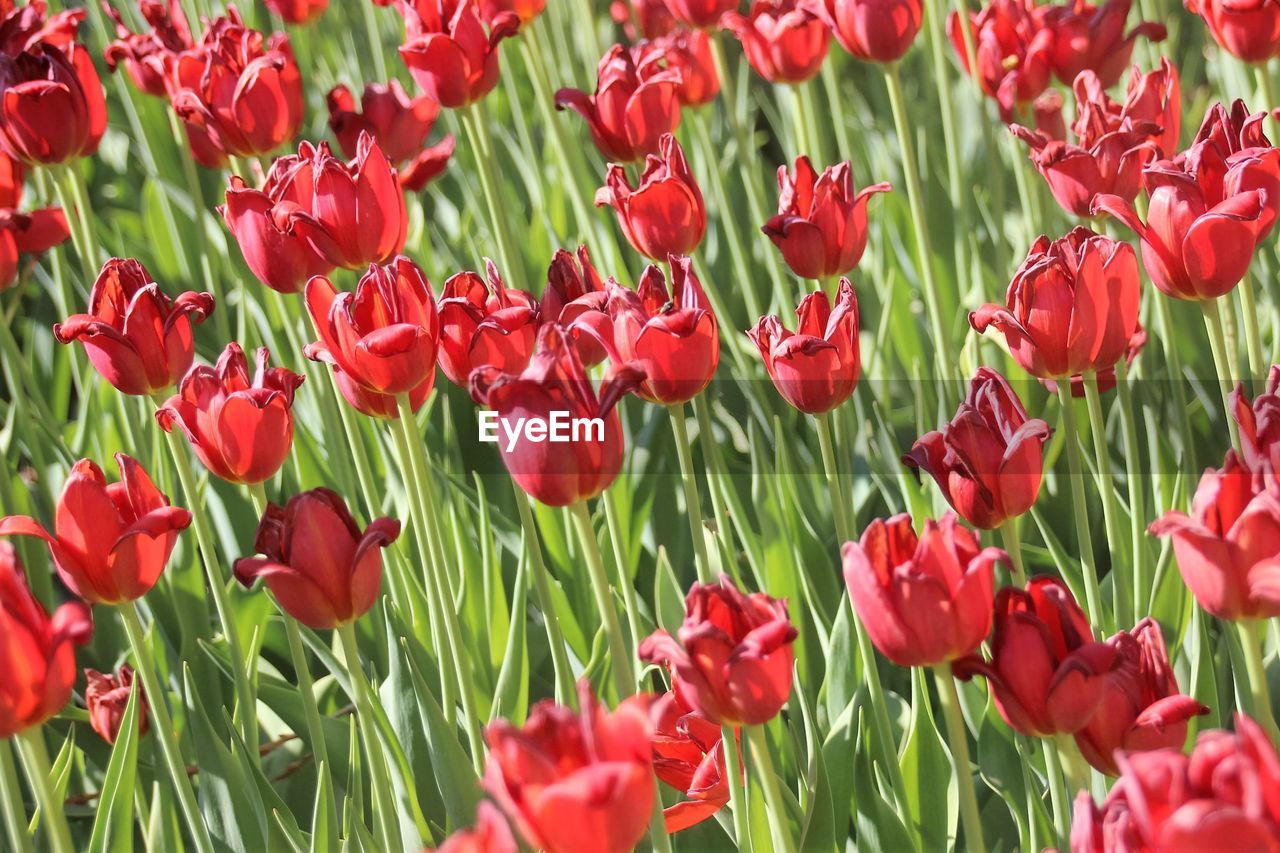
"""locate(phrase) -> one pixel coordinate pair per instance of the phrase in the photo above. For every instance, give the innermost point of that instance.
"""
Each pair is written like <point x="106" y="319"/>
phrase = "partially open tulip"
<point x="575" y="781"/>
<point x="688" y="755"/>
<point x="1247" y="29"/>
<point x="1235" y="137"/>
<point x="784" y="41"/>
<point x="399" y="123"/>
<point x="485" y="323"/>
<point x="665" y="215"/>
<point x="106" y="696"/>
<point x="240" y="427"/>
<point x="323" y="570"/>
<point x="1155" y="96"/>
<point x="700" y="14"/>
<point x="1259" y="424"/>
<point x="872" y="30"/>
<point x="37" y="652"/>
<point x="642" y="19"/>
<point x="138" y="339"/>
<point x="110" y="542"/>
<point x="733" y="660"/>
<point x="1048" y="674"/>
<point x="988" y="461"/>
<point x="146" y="56"/>
<point x="525" y="10"/>
<point x="491" y="834"/>
<point x="1226" y="547"/>
<point x="573" y="287"/>
<point x="1013" y="51"/>
<point x="816" y="367"/>
<point x="688" y="52"/>
<point x="448" y="52"/>
<point x="297" y="11"/>
<point x="924" y="600"/>
<point x="821" y="226"/>
<point x="1088" y="37"/>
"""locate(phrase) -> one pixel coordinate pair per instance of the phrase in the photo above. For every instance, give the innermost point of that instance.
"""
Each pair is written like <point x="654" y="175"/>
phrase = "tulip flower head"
<point x="1259" y="424"/>
<point x="665" y="215"/>
<point x="525" y="10"/>
<point x="784" y="41"/>
<point x="1248" y="30"/>
<point x="642" y="19"/>
<point x="1089" y="37"/>
<point x="485" y="323"/>
<point x="1235" y="137"/>
<point x="688" y="755"/>
<point x="491" y="834"/>
<point x="297" y="11"/>
<point x="106" y="696"/>
<point x="146" y="56"/>
<point x="688" y="52"/>
<point x="399" y="123"/>
<point x="1013" y="52"/>
<point x="699" y="14"/>
<point x="23" y="233"/>
<point x="573" y="288"/>
<point x="871" y="30"/>
<point x="448" y="52"/>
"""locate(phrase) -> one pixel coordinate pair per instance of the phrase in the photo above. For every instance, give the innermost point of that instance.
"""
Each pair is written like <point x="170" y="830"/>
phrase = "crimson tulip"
<point x="106" y="696"/>
<point x="734" y="659"/>
<point x="699" y="14"/>
<point x="484" y="323"/>
<point x="688" y="755"/>
<point x="146" y="56"/>
<point x="1258" y="421"/>
<point x="688" y="52"/>
<point x="1013" y="52"/>
<point x="1089" y="37"/>
<point x="642" y="19"/>
<point x="491" y="834"/>
<point x="1247" y="29"/>
<point x="110" y="542"/>
<point x="323" y="570"/>
<point x="574" y="291"/>
<point x="297" y="11"/>
<point x="871" y="30"/>
<point x="448" y="53"/>
<point x="816" y="367"/>
<point x="525" y="10"/>
<point x="137" y="338"/>
<point x="399" y="123"/>
<point x="1235" y="137"/>
<point x="575" y="781"/>
<point x="664" y="215"/>
<point x="23" y="233"/>
<point x="821" y="226"/>
<point x="784" y="41"/>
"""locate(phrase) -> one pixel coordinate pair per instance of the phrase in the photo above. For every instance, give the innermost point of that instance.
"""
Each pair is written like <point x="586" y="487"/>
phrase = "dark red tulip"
<point x="1247" y="29"/>
<point x="636" y="102"/>
<point x="733" y="661"/>
<point x="664" y="215"/>
<point x="872" y="30"/>
<point x="1047" y="673"/>
<point x="399" y="123"/>
<point x="37" y="652"/>
<point x="1259" y="423"/>
<point x="491" y="834"/>
<point x="783" y="40"/>
<point x="642" y="19"/>
<point x="240" y="427"/>
<point x="575" y="781"/>
<point x="110" y="542"/>
<point x="23" y="233"/>
<point x="383" y="336"/>
<point x="688" y="755"/>
<point x="297" y="11"/>
<point x="924" y="600"/>
<point x="485" y="324"/>
<point x="817" y="367"/>
<point x="147" y="56"/>
<point x="1235" y="138"/>
<point x="1088" y="37"/>
<point x="323" y="570"/>
<point x="137" y="338"/>
<point x="989" y="459"/>
<point x="574" y="289"/>
<point x="106" y="696"/>
<point x="821" y="226"/>
<point x="1013" y="50"/>
<point x="525" y="10"/>
<point x="688" y="52"/>
<point x="699" y="14"/>
<point x="448" y="52"/>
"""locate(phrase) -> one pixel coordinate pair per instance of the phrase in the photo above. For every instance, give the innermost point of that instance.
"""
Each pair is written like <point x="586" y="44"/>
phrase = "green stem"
<point x="1222" y="363"/>
<point x="1137" y="492"/>
<point x="1013" y="547"/>
<point x="1173" y="363"/>
<point x="1058" y="796"/>
<point x="1110" y="512"/>
<point x="15" y="817"/>
<point x="718" y="482"/>
<point x="1252" y="331"/>
<point x="831" y="468"/>
<point x="623" y="670"/>
<point x="782" y="840"/>
<point x="835" y="103"/>
<point x="35" y="759"/>
<point x="1262" y="72"/>
<point x="1074" y="768"/>
<point x="738" y="801"/>
<point x="565" y="693"/>
<point x="375" y="41"/>
<point x="1251" y="637"/>
<point x="384" y="806"/>
<point x="958" y="737"/>
<point x="478" y="130"/>
<point x="1080" y="512"/>
<point x="613" y="524"/>
<point x="693" y="502"/>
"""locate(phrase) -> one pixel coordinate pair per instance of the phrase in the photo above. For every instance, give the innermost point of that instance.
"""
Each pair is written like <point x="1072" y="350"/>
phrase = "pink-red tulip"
<point x="783" y="40"/>
<point x="491" y="834"/>
<point x="106" y="697"/>
<point x="1235" y="138"/>
<point x="485" y="323"/>
<point x="1013" y="51"/>
<point x="688" y="52"/>
<point x="147" y="56"/>
<point x="297" y="11"/>
<point x="1088" y="37"/>
<point x="399" y="123"/>
<point x="688" y="755"/>
<point x="872" y="30"/>
<point x="1259" y="424"/>
<point x="1247" y="29"/>
<point x="665" y="215"/>
<point x="448" y="52"/>
<point x="1155" y="96"/>
<point x="699" y="14"/>
<point x="642" y="19"/>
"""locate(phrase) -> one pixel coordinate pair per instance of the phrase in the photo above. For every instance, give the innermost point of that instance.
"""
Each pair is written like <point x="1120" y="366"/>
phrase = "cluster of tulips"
<point x="670" y="722"/>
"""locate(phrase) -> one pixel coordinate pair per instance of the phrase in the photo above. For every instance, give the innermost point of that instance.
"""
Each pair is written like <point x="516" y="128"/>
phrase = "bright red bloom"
<point x="106" y="696"/>
<point x="817" y="367"/>
<point x="36" y="652"/>
<point x="1047" y="673"/>
<point x="783" y="40"/>
<point x="321" y="568"/>
<point x="383" y="336"/>
<point x="110" y="542"/>
<point x="636" y="102"/>
<point x="699" y="14"/>
<point x="574" y="291"/>
<point x="925" y="600"/>
<point x="821" y="226"/>
<point x="1088" y="37"/>
<point x="642" y="19"/>
<point x="485" y="324"/>
<point x="1235" y="138"/>
<point x="988" y="461"/>
<point x="1247" y="29"/>
<point x="1259" y="423"/>
<point x="872" y="30"/>
<point x="146" y="56"/>
<point x="1013" y="50"/>
<point x="399" y="123"/>
<point x="525" y="10"/>
<point x="1155" y="96"/>
<point x="491" y="834"/>
<point x="665" y="215"/>
<point x="688" y="755"/>
<point x="734" y="660"/>
<point x="448" y="53"/>
<point x="689" y="53"/>
<point x="137" y="338"/>
<point x="240" y="428"/>
<point x="297" y="11"/>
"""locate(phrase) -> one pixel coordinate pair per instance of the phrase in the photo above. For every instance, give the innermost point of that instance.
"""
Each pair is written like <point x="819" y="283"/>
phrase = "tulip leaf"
<point x="932" y="794"/>
<point x="324" y="819"/>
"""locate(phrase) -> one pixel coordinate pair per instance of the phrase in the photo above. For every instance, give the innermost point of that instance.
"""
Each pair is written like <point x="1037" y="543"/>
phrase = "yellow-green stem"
<point x="384" y="806"/>
<point x="1251" y="638"/>
<point x="1013" y="547"/>
<point x="693" y="502"/>
<point x="1222" y="363"/>
<point x="624" y="678"/>
<point x="958" y="737"/>
<point x="35" y="758"/>
<point x="768" y="778"/>
<point x="1080" y="511"/>
<point x="1110" y="512"/>
<point x="15" y="818"/>
<point x="565" y="693"/>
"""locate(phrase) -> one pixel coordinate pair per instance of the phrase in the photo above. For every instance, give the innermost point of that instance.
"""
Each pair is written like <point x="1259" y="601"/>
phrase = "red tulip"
<point x="989" y="459"/>
<point x="734" y="660"/>
<point x="240" y="428"/>
<point x="491" y="834"/>
<point x="817" y="367"/>
<point x="383" y="336"/>
<point x="139" y="339"/>
<point x="1047" y="674"/>
<point x="1155" y="96"/>
<point x="297" y="11"/>
<point x="574" y="290"/>
<point x="375" y="404"/>
<point x="484" y="325"/>
<point x="665" y="214"/>
<point x="1236" y="138"/>
<point x="635" y="104"/>
<point x="783" y="40"/>
<point x="110" y="542"/>
<point x="575" y="781"/>
<point x="1247" y="29"/>
<point x="1226" y="547"/>
<point x="557" y="473"/>
<point x="1259" y="424"/>
<point x="400" y="124"/>
<point x="448" y="52"/>
<point x="107" y="696"/>
<point x="1013" y="50"/>
<point x="688" y="755"/>
<point x="925" y="600"/>
<point x="688" y="52"/>
<point x="821" y="226"/>
<point x="525" y="10"/>
<point x="872" y="30"/>
<point x="1092" y="38"/>
<point x="147" y="56"/>
<point x="321" y="568"/>
<point x="642" y="19"/>
<point x="36" y="652"/>
<point x="23" y="233"/>
<point x="700" y="14"/>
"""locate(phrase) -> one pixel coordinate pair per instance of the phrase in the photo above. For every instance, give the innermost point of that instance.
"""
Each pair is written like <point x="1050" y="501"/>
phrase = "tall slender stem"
<point x="831" y="468"/>
<point x="478" y="130"/>
<point x="15" y="818"/>
<point x="613" y="523"/>
<point x="763" y="761"/>
<point x="1252" y="331"/>
<point x="1251" y="635"/>
<point x="623" y="670"/>
<point x="958" y="737"/>
<point x="375" y="40"/>
<point x="738" y="801"/>
<point x="1074" y="768"/>
<point x="1110" y="512"/>
<point x="35" y="758"/>
<point x="1080" y="511"/>
<point x="1222" y="363"/>
<point x="565" y="693"/>
<point x="1058" y="796"/>
<point x="1013" y="547"/>
<point x="718" y="483"/>
<point x="1137" y="491"/>
<point x="692" y="501"/>
<point x="384" y="803"/>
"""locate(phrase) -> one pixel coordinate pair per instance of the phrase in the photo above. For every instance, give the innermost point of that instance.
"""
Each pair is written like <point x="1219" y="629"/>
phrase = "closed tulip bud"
<point x="137" y="338"/>
<point x="110" y="542"/>
<point x="642" y="19"/>
<point x="1259" y="424"/>
<point x="636" y="102"/>
<point x="816" y="367"/>
<point x="872" y="30"/>
<point x="322" y="569"/>
<point x="733" y="661"/>
<point x="664" y="215"/>
<point x="28" y="234"/>
<point x="107" y="697"/>
<point x="1248" y="30"/>
<point x="783" y="40"/>
<point x="383" y="336"/>
<point x="525" y="10"/>
<point x="52" y="108"/>
<point x="688" y="755"/>
<point x="688" y="52"/>
<point x="399" y="123"/>
<point x="1235" y="137"/>
<point x="575" y="781"/>
<point x="821" y="226"/>
<point x="700" y="14"/>
<point x="1047" y="673"/>
<point x="146" y="56"/>
<point x="241" y="428"/>
<point x="924" y="600"/>
<point x="297" y="11"/>
<point x="988" y="461"/>
<point x="484" y="324"/>
<point x="449" y="54"/>
<point x="491" y="834"/>
<point x="37" y="652"/>
<point x="1093" y="38"/>
<point x="1013" y="50"/>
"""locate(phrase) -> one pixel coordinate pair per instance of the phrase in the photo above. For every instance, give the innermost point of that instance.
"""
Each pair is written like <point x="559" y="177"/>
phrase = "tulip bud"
<point x="448" y="53"/>
<point x="1248" y="30"/>
<point x="107" y="698"/>
<point x="1013" y="50"/>
<point x="297" y="11"/>
<point x="110" y="542"/>
<point x="484" y="325"/>
<point x="139" y="339"/>
<point x="322" y="570"/>
<point x="573" y="297"/>
<point x="635" y="104"/>
<point x="491" y="834"/>
<point x="665" y="214"/>
<point x="989" y="459"/>
<point x="782" y="39"/>
<point x="642" y="19"/>
<point x="872" y="30"/>
<point x="575" y="782"/>
<point x="699" y="14"/>
<point x="734" y="660"/>
<point x="146" y="56"/>
<point x="1259" y="424"/>
<point x="688" y="755"/>
<point x="400" y="124"/>
<point x="688" y="52"/>
<point x="1092" y="38"/>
